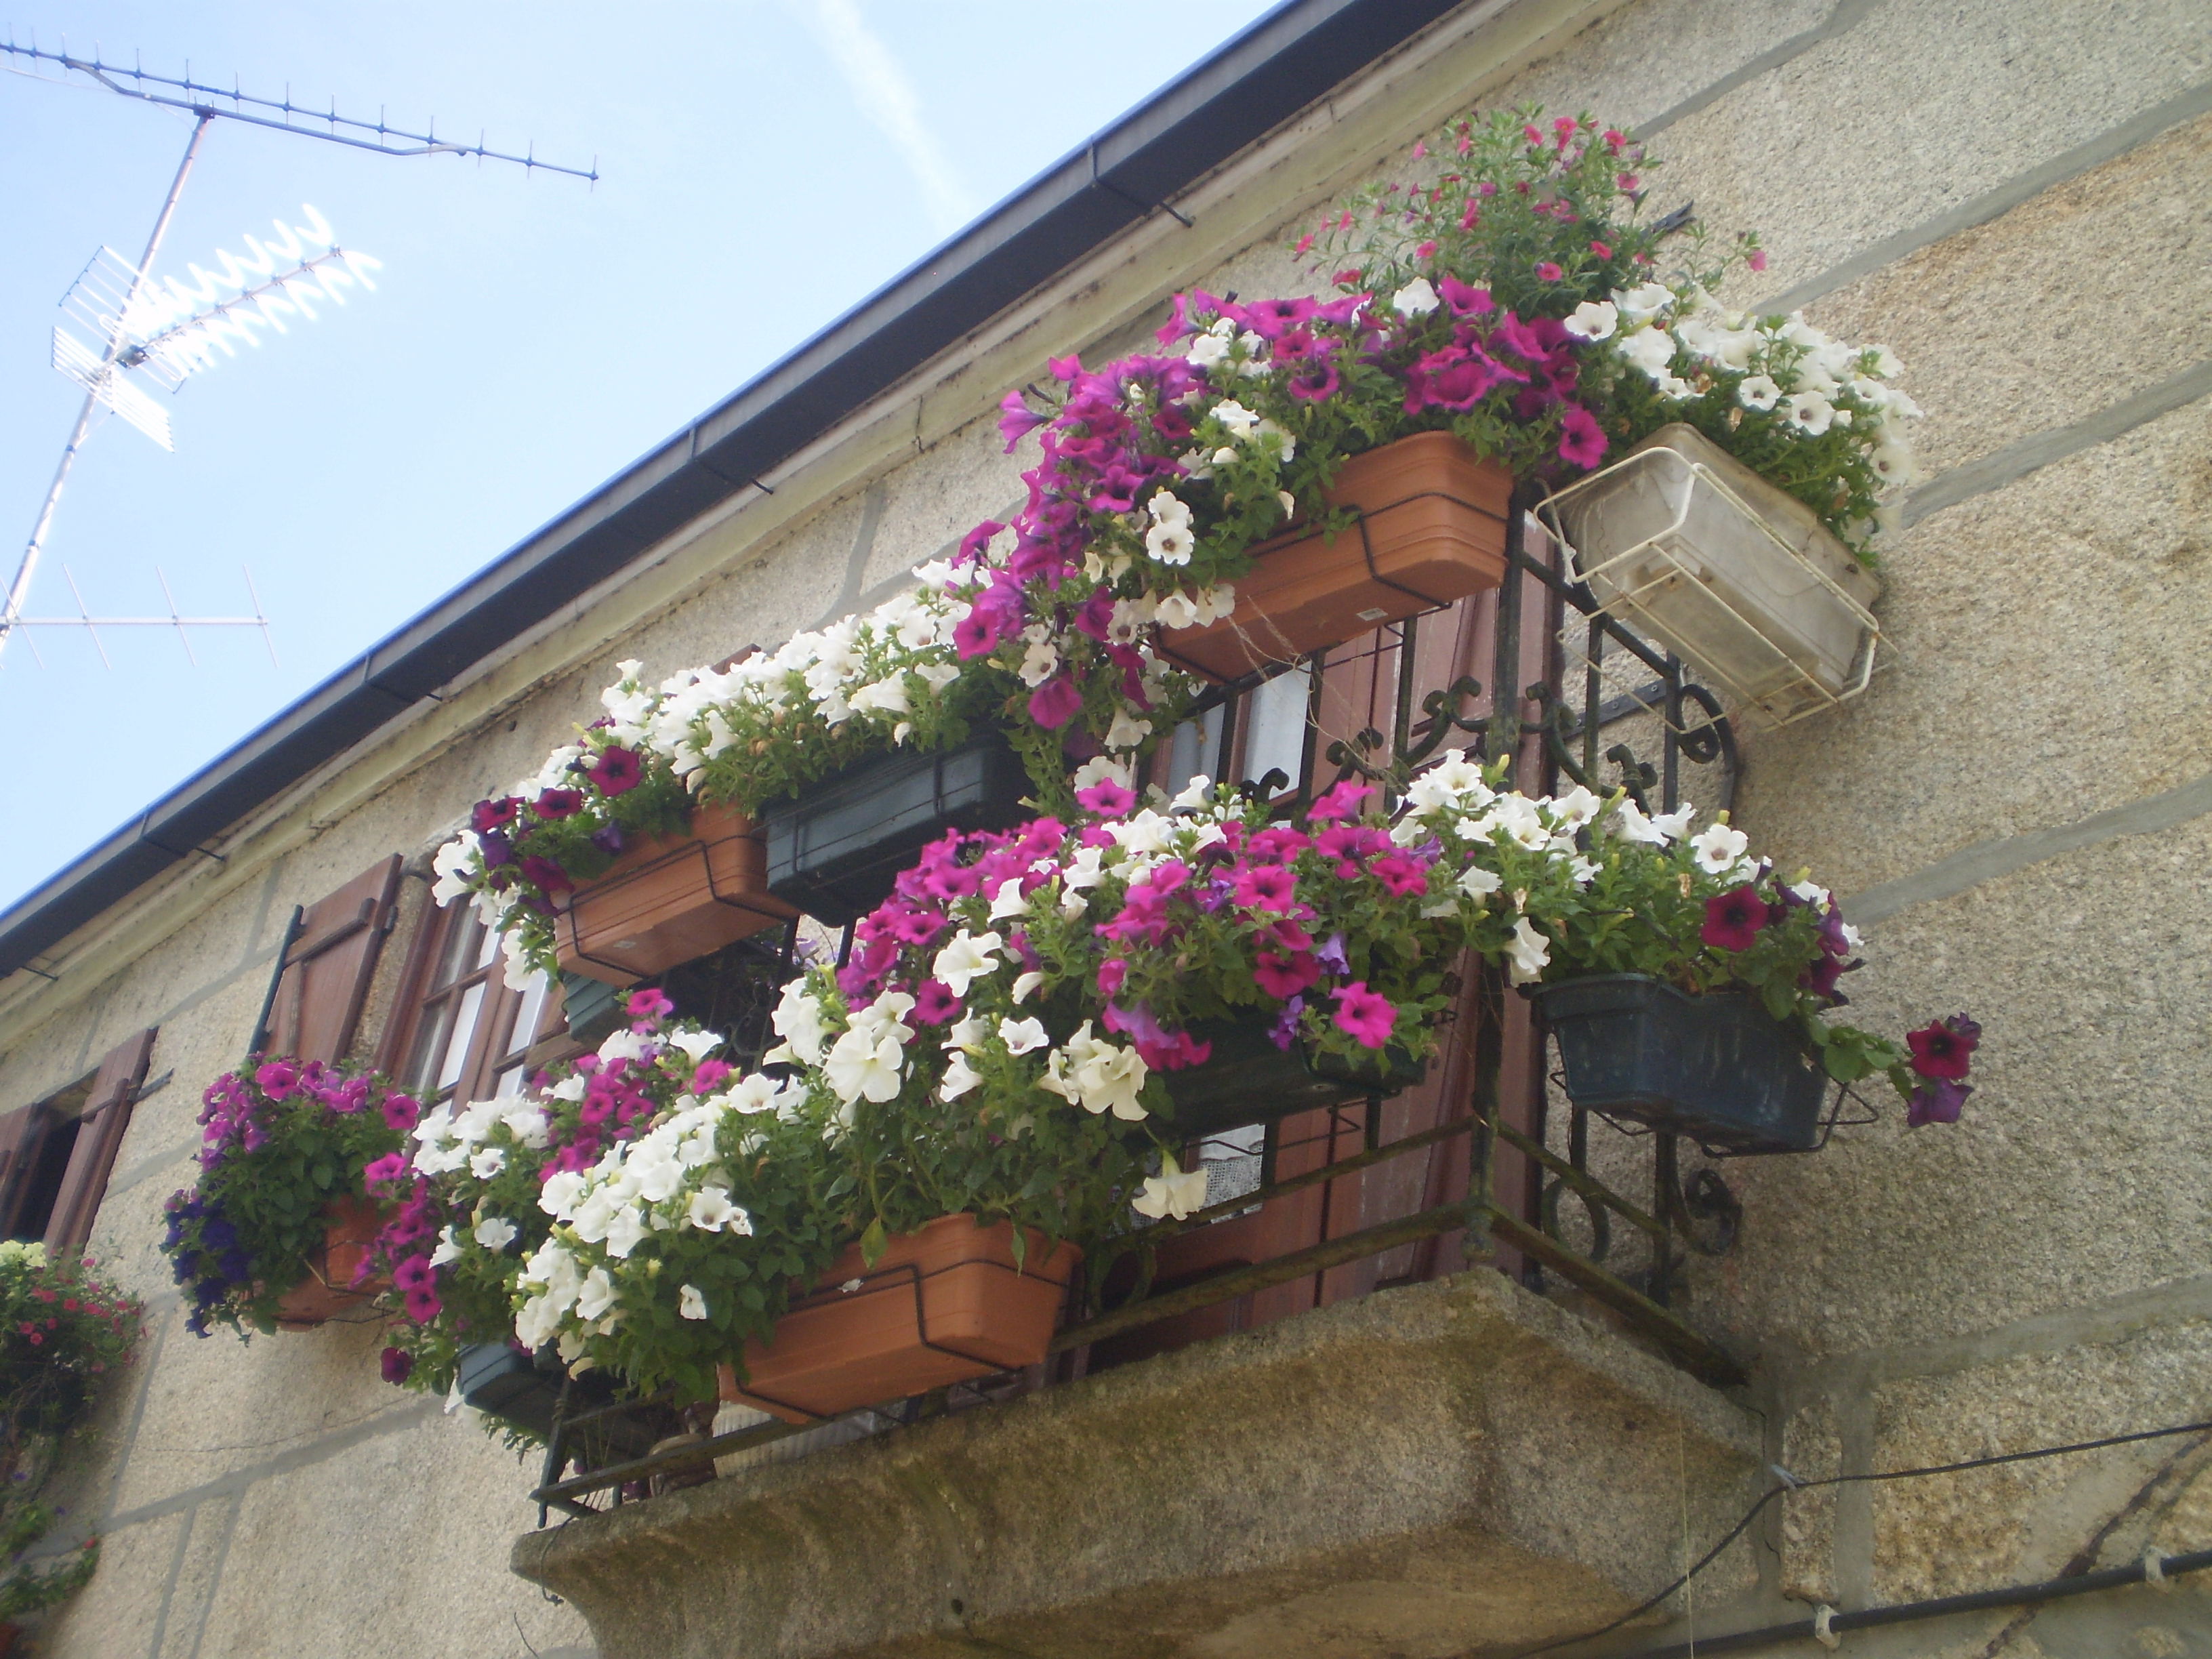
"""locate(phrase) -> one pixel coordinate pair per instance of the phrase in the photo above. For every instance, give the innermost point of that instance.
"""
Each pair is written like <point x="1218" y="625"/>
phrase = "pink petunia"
<point x="1266" y="887"/>
<point x="1365" y="1015"/>
<point x="1285" y="974"/>
<point x="934" y="1003"/>
<point x="1344" y="801"/>
<point x="1107" y="798"/>
<point x="1401" y="876"/>
<point x="1548" y="272"/>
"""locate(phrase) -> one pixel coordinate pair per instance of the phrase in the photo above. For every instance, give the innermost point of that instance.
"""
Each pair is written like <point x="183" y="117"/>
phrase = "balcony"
<point x="1415" y="1382"/>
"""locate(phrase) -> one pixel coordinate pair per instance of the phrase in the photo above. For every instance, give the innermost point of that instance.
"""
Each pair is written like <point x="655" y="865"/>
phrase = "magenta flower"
<point x="1365" y="1015"/>
<point x="1343" y="801"/>
<point x="1548" y="272"/>
<point x="618" y="770"/>
<point x="1734" y="919"/>
<point x="1582" y="440"/>
<point x="1112" y="973"/>
<point x="710" y="1076"/>
<point x="911" y="925"/>
<point x="391" y="1167"/>
<point x="415" y="1273"/>
<point x="1401" y="876"/>
<point x="1055" y="703"/>
<point x="398" y="1366"/>
<point x="1285" y="974"/>
<point x="1945" y="1049"/>
<point x="1602" y="250"/>
<point x="1017" y="420"/>
<point x="1279" y="843"/>
<point x="651" y="1006"/>
<point x="487" y="815"/>
<point x="546" y="875"/>
<point x="934" y="1003"/>
<point x="1107" y="798"/>
<point x="1758" y="262"/>
<point x="559" y="804"/>
<point x="423" y="1305"/>
<point x="1266" y="887"/>
<point x="1465" y="301"/>
<point x="401" y="1112"/>
<point x="279" y="1079"/>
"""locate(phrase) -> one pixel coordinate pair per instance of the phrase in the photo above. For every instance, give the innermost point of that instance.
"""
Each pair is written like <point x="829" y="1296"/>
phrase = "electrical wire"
<point x="1792" y="1485"/>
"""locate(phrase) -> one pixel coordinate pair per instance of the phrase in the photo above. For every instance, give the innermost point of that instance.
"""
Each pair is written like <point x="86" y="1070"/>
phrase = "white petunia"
<point x="965" y="957"/>
<point x="859" y="1065"/>
<point x="1719" y="848"/>
<point x="1417" y="299"/>
<point x="1593" y="319"/>
<point x="1026" y="986"/>
<point x="1650" y="349"/>
<point x="959" y="1078"/>
<point x="487" y="1162"/>
<point x="1171" y="543"/>
<point x="596" y="1295"/>
<point x="1478" y="883"/>
<point x="1758" y="391"/>
<point x="1173" y="1191"/>
<point x="497" y="1232"/>
<point x="1531" y="953"/>
<point x="1021" y="1037"/>
<point x="1009" y="902"/>
<point x="449" y="1248"/>
<point x="710" y="1208"/>
<point x="797" y="1021"/>
<point x="689" y="1303"/>
<point x="1810" y="413"/>
<point x="623" y="1233"/>
<point x="560" y="1193"/>
<point x="1642" y="303"/>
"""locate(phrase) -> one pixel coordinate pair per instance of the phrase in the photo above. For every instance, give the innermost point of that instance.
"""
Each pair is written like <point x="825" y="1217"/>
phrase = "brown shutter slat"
<point x="323" y="975"/>
<point x="100" y="1133"/>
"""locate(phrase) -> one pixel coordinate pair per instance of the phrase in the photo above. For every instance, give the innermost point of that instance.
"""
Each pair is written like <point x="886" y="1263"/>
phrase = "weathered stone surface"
<point x="1411" y="1473"/>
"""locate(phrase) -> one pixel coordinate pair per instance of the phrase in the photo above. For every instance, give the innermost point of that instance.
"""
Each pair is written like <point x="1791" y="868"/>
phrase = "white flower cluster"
<point x="672" y="1177"/>
<point x="882" y="663"/>
<point x="1817" y="383"/>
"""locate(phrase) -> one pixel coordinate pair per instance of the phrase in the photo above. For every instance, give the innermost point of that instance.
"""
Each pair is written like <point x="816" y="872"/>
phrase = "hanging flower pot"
<point x="1688" y="545"/>
<point x="1247" y="1079"/>
<point x="1715" y="1068"/>
<point x="1432" y="530"/>
<point x="523" y="1391"/>
<point x="834" y="849"/>
<point x="670" y="899"/>
<point x="941" y="1305"/>
<point x="329" y="1288"/>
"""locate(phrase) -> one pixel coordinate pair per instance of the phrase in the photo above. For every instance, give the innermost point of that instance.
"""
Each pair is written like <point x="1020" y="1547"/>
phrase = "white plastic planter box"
<point x="1692" y="549"/>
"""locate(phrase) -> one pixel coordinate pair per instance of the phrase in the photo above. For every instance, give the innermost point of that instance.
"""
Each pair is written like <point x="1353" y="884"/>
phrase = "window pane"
<point x="508" y="1082"/>
<point x="463" y="940"/>
<point x="527" y="1017"/>
<point x="488" y="948"/>
<point x="430" y="1046"/>
<point x="1276" y="737"/>
<point x="464" y="1028"/>
<point x="1193" y="750"/>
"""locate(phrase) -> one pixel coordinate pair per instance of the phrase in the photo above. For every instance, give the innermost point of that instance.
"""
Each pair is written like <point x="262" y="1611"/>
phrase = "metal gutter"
<point x="1281" y="65"/>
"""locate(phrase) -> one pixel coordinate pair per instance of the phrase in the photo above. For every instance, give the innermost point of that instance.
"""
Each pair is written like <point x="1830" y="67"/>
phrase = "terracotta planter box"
<point x="941" y="1305"/>
<point x="1432" y="531"/>
<point x="670" y="899"/>
<point x="328" y="1290"/>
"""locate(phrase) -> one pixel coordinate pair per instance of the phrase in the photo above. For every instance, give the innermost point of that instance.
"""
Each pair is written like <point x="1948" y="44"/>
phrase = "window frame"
<point x="452" y="955"/>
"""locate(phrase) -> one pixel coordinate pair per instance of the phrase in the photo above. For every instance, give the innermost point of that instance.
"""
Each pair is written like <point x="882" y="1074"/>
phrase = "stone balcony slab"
<point x="1434" y="1470"/>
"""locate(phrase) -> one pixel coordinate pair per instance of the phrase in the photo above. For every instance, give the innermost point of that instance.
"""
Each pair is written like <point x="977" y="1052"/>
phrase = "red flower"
<point x="557" y="804"/>
<point x="1548" y="272"/>
<point x="618" y="770"/>
<point x="546" y="875"/>
<point x="1945" y="1049"/>
<point x="1734" y="921"/>
<point x="492" y="814"/>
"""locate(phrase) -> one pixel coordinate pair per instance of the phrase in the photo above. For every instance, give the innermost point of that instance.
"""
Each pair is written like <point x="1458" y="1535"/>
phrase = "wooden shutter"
<point x="323" y="971"/>
<point x="99" y="1132"/>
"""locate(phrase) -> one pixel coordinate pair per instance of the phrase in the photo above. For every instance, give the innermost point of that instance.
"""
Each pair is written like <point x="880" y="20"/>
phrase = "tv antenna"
<point x="170" y="330"/>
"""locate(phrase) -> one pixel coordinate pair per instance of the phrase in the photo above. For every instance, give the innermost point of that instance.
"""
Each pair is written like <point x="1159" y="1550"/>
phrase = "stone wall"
<point x="2014" y="198"/>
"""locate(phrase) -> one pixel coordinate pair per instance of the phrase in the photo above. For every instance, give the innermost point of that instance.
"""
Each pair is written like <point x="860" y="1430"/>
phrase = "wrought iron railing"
<point x="1503" y="1150"/>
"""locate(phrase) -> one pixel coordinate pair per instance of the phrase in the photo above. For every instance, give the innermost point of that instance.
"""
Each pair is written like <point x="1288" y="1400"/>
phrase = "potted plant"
<point x="464" y="1199"/>
<point x="64" y="1331"/>
<point x="1688" y="984"/>
<point x="603" y="865"/>
<point x="274" y="1234"/>
<point x="1497" y="315"/>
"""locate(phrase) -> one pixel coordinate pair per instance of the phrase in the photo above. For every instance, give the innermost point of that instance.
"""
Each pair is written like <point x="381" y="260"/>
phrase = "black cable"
<point x="1773" y="1492"/>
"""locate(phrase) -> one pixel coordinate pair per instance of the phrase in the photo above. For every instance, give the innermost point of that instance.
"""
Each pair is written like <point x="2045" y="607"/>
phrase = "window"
<point x="466" y="1035"/>
<point x="55" y="1156"/>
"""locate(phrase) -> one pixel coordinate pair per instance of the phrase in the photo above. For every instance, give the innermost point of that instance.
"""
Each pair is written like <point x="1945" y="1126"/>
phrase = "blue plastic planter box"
<point x="1715" y="1067"/>
<point x="1247" y="1079"/>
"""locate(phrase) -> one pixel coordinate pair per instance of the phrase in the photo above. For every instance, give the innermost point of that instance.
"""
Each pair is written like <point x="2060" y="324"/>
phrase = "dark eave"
<point x="1282" y="65"/>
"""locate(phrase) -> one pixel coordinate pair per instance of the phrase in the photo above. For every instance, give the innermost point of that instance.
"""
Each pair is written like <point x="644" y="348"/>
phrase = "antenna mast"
<point x="103" y="378"/>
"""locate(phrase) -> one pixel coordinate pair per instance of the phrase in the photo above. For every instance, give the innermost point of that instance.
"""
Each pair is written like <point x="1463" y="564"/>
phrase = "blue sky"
<point x="765" y="163"/>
